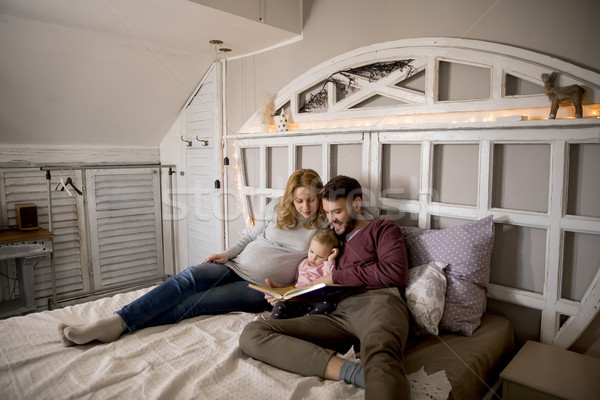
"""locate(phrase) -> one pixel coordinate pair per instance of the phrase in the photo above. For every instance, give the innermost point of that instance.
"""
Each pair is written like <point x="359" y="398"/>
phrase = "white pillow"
<point x="426" y="296"/>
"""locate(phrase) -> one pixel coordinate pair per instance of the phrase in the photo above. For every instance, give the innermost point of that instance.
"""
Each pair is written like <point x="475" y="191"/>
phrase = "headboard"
<point x="441" y="131"/>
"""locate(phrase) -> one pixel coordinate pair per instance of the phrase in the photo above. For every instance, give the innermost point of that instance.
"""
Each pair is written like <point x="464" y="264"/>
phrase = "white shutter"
<point x="204" y="218"/>
<point x="125" y="225"/>
<point x="30" y="186"/>
<point x="203" y="226"/>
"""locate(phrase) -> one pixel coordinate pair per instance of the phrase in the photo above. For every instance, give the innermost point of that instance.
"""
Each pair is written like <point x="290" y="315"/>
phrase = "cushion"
<point x="467" y="250"/>
<point x="471" y="363"/>
<point x="426" y="295"/>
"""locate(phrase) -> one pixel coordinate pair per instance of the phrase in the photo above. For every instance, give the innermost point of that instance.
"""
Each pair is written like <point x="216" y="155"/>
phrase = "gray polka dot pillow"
<point x="467" y="250"/>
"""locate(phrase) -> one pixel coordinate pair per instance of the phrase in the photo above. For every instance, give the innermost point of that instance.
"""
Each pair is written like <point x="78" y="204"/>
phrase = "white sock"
<point x="63" y="338"/>
<point x="104" y="330"/>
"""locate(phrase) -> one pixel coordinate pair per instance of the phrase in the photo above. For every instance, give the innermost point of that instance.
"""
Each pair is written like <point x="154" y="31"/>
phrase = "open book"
<point x="306" y="293"/>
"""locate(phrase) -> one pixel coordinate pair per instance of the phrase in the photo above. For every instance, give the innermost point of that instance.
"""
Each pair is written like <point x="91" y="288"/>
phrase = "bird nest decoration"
<point x="346" y="78"/>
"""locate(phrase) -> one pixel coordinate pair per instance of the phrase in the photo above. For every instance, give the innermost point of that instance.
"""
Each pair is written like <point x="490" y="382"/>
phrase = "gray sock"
<point x="352" y="373"/>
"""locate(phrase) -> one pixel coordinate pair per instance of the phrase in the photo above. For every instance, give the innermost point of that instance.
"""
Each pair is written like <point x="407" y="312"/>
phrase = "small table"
<point x="25" y="247"/>
<point x="541" y="371"/>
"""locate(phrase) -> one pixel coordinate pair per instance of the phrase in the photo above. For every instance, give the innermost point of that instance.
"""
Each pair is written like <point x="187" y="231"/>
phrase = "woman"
<point x="271" y="249"/>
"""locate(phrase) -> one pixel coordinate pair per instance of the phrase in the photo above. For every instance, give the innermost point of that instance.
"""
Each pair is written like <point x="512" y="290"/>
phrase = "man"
<point x="373" y="317"/>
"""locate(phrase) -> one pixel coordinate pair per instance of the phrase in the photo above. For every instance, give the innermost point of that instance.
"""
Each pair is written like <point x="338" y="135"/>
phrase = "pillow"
<point x="467" y="250"/>
<point x="425" y="296"/>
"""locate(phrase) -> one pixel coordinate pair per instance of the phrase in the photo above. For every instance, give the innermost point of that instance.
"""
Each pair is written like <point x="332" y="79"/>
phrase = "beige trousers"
<point x="377" y="321"/>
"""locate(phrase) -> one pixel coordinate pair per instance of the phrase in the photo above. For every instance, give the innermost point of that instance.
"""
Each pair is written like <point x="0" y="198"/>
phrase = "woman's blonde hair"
<point x="287" y="217"/>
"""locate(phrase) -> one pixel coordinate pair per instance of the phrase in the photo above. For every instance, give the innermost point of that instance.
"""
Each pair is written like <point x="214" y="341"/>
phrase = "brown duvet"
<point x="472" y="364"/>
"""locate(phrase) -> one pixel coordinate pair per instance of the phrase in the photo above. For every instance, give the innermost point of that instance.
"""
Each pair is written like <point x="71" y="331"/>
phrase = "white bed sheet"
<point x="198" y="358"/>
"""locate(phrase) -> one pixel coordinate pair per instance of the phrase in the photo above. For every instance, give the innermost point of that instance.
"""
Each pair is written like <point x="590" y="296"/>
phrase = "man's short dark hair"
<point x="342" y="187"/>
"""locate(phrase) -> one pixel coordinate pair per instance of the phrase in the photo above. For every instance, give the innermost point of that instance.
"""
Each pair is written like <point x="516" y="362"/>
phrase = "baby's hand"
<point x="272" y="300"/>
<point x="334" y="254"/>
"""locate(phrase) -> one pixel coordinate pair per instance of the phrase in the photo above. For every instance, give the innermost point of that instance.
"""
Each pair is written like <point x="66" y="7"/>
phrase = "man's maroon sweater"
<point x="374" y="258"/>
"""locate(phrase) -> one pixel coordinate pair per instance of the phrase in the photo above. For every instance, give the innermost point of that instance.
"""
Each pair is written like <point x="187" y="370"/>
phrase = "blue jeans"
<point x="199" y="290"/>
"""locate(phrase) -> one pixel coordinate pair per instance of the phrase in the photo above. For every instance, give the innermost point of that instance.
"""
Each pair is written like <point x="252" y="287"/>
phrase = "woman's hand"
<point x="334" y="254"/>
<point x="220" y="258"/>
<point x="270" y="283"/>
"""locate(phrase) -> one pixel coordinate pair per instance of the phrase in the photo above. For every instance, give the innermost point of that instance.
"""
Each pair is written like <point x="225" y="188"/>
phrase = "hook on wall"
<point x="203" y="142"/>
<point x="188" y="142"/>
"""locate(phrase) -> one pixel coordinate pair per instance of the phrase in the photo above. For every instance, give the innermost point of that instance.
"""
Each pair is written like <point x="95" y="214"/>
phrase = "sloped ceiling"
<point x="110" y="72"/>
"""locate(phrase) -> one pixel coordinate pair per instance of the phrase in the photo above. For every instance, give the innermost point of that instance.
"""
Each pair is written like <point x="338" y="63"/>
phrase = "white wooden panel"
<point x="203" y="213"/>
<point x="485" y="172"/>
<point x="576" y="324"/>
<point x="125" y="225"/>
<point x="375" y="158"/>
<point x="426" y="184"/>
<point x="12" y="156"/>
<point x="357" y="143"/>
<point x="517" y="296"/>
<point x="550" y="318"/>
<point x="30" y="186"/>
<point x="203" y="166"/>
<point x="549" y="302"/>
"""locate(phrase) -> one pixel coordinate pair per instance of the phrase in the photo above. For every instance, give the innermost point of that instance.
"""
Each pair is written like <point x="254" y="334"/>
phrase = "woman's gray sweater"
<point x="267" y="252"/>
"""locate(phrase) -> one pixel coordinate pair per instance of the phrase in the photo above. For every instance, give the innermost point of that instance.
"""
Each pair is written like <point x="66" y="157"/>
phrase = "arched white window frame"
<point x="426" y="55"/>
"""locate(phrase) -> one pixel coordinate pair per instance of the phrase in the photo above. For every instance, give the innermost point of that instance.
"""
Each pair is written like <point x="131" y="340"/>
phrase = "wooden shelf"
<point x="16" y="235"/>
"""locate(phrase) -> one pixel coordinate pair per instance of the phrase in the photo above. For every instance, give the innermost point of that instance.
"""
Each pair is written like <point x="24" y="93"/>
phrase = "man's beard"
<point x="349" y="227"/>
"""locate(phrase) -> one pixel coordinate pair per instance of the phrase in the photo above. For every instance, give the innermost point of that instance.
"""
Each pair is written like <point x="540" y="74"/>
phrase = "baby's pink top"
<point x="307" y="274"/>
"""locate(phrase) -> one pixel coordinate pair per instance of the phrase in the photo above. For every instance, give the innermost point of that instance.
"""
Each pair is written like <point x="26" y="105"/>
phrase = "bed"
<point x="200" y="357"/>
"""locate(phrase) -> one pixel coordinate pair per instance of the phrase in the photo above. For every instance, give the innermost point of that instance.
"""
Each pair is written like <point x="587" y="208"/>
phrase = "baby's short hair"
<point x="327" y="237"/>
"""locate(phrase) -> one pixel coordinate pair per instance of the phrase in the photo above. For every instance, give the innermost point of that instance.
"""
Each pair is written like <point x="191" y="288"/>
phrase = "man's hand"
<point x="220" y="258"/>
<point x="326" y="279"/>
